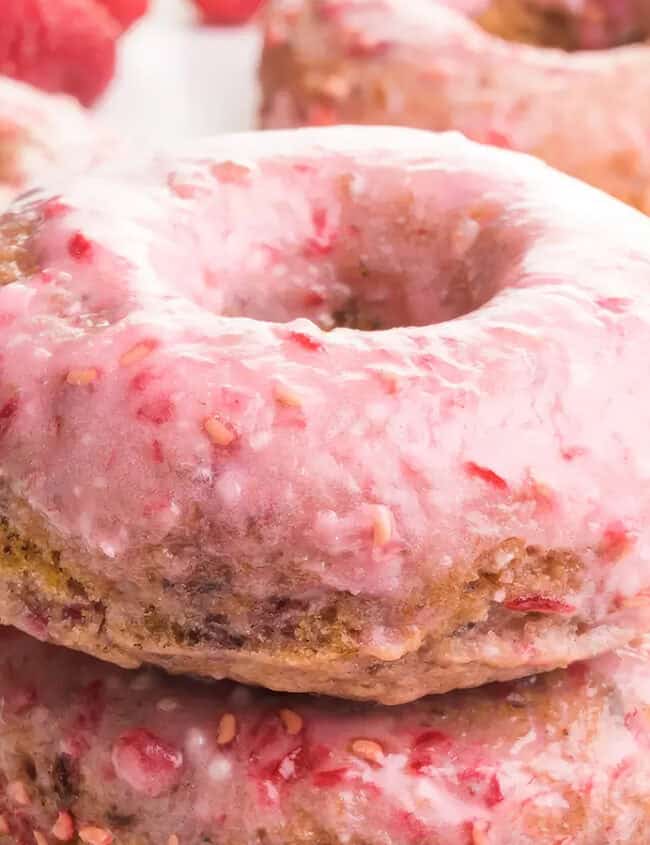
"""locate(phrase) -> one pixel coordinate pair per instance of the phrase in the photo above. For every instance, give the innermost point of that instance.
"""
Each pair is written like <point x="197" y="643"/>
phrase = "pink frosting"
<point x="164" y="380"/>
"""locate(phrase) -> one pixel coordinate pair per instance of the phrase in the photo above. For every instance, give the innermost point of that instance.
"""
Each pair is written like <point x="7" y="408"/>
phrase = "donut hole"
<point x="414" y="277"/>
<point x="369" y="252"/>
<point x="600" y="25"/>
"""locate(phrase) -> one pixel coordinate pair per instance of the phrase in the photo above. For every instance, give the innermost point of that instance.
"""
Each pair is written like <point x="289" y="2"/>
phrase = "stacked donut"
<point x="355" y="412"/>
<point x="437" y="65"/>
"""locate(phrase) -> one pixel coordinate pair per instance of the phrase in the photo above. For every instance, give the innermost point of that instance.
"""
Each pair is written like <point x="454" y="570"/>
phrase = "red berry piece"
<point x="323" y="239"/>
<point x="54" y="208"/>
<point x="306" y="341"/>
<point x="227" y="12"/>
<point x="539" y="604"/>
<point x="431" y="749"/>
<point x="485" y="474"/>
<point x="79" y="246"/>
<point x="498" y="139"/>
<point x="158" y="411"/>
<point x="615" y="304"/>
<point x="157" y="452"/>
<point x="67" y="46"/>
<point x="330" y="777"/>
<point x="293" y="766"/>
<point x="320" y="114"/>
<point x="411" y="826"/>
<point x="126" y="12"/>
<point x="7" y="413"/>
<point x="616" y="542"/>
<point x="147" y="763"/>
<point x="482" y="784"/>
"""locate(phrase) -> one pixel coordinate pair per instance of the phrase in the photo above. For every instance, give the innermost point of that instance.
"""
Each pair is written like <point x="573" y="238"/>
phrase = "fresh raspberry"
<point x="228" y="12"/>
<point x="66" y="46"/>
<point x="126" y="12"/>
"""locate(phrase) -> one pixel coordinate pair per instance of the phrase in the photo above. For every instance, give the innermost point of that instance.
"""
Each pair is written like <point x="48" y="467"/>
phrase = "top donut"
<point x="359" y="412"/>
<point x="450" y="65"/>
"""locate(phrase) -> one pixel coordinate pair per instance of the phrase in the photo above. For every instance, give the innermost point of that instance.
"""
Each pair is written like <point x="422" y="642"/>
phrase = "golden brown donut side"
<point x="52" y="591"/>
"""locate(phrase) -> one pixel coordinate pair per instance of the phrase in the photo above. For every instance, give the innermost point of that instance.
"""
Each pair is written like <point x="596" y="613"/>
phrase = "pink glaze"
<point x="37" y="132"/>
<point x="547" y="760"/>
<point x="164" y="380"/>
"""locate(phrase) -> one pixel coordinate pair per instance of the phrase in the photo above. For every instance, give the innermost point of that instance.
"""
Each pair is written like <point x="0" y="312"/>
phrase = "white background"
<point x="177" y="79"/>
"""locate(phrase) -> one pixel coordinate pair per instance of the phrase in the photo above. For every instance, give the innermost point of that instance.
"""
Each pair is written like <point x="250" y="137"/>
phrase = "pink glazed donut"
<point x="351" y="411"/>
<point x="113" y="756"/>
<point x="37" y="133"/>
<point x="425" y="64"/>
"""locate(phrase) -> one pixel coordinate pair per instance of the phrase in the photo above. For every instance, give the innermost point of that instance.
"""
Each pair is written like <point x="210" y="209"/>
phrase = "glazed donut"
<point x="93" y="750"/>
<point x="38" y="132"/>
<point x="196" y="474"/>
<point x="425" y="65"/>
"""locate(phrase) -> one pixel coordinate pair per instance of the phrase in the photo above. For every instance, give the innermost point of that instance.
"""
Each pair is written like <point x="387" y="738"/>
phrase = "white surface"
<point x="177" y="79"/>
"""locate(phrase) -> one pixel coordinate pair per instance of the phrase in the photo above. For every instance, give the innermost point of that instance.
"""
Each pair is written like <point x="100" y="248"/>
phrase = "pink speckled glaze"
<point x="561" y="758"/>
<point x="164" y="381"/>
<point x="37" y="132"/>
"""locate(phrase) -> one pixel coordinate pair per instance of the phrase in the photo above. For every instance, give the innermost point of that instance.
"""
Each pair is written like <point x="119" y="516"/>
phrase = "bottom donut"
<point x="96" y="754"/>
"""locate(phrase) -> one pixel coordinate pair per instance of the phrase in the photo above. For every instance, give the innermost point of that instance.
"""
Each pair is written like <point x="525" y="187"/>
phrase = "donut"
<point x="432" y="66"/>
<point x="349" y="411"/>
<point x="112" y="756"/>
<point x="37" y="132"/>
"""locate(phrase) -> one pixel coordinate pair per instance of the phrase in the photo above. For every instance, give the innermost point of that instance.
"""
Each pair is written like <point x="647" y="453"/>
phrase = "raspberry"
<point x="147" y="763"/>
<point x="126" y="12"/>
<point x="227" y="11"/>
<point x="67" y="46"/>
